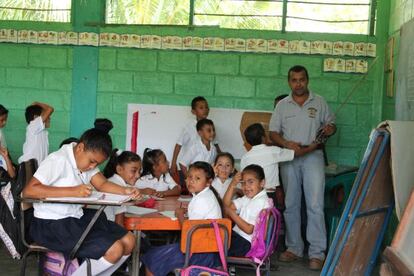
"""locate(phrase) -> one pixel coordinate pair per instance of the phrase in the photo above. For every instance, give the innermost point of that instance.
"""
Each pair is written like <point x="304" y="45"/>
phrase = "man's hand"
<point x="292" y="145"/>
<point x="329" y="129"/>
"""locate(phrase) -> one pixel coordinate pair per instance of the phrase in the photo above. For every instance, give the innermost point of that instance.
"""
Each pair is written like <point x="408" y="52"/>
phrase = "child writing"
<point x="71" y="172"/>
<point x="268" y="157"/>
<point x="203" y="148"/>
<point x="124" y="169"/>
<point x="244" y="211"/>
<point x="37" y="142"/>
<point x="4" y="113"/>
<point x="204" y="205"/>
<point x="155" y="179"/>
<point x="223" y="169"/>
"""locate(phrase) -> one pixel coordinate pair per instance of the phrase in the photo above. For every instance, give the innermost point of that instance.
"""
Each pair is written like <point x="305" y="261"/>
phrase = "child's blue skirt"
<point x="62" y="235"/>
<point x="164" y="259"/>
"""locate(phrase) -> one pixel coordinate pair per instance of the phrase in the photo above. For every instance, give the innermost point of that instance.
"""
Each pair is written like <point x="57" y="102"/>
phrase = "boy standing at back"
<point x="37" y="142"/>
<point x="189" y="134"/>
<point x="268" y="157"/>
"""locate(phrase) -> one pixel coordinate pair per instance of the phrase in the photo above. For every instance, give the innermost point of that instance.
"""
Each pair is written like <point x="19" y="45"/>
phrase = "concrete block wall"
<point x="229" y="80"/>
<point x="31" y="73"/>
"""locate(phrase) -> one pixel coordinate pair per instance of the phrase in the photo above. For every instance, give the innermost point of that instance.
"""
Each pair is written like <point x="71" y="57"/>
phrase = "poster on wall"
<point x="158" y="126"/>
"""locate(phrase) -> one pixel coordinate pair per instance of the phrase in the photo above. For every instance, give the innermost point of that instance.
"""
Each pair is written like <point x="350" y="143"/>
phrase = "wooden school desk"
<point x="153" y="221"/>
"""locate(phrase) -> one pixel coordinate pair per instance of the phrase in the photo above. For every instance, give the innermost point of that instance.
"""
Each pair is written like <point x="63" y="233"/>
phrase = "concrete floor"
<point x="11" y="267"/>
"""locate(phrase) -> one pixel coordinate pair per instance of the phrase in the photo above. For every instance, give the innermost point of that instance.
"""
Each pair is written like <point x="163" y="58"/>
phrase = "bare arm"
<point x="10" y="167"/>
<point x="35" y="189"/>
<point x="241" y="223"/>
<point x="228" y="196"/>
<point x="173" y="192"/>
<point x="103" y="185"/>
<point x="119" y="219"/>
<point x="177" y="149"/>
<point x="47" y="110"/>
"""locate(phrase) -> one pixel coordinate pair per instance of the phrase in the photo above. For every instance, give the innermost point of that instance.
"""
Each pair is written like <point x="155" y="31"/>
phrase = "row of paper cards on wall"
<point x="337" y="48"/>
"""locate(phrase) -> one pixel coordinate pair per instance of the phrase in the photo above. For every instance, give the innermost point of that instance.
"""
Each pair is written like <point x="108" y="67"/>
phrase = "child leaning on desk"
<point x="70" y="172"/>
<point x="205" y="204"/>
<point x="244" y="211"/>
<point x="155" y="179"/>
<point x="123" y="168"/>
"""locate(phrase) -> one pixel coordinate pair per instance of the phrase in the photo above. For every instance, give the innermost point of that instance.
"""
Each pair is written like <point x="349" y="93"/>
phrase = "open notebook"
<point x="95" y="197"/>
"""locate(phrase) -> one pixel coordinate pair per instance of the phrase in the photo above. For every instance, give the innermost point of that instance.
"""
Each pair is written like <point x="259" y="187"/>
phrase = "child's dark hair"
<point x="68" y="141"/>
<point x="254" y="134"/>
<point x="149" y="160"/>
<point x="97" y="140"/>
<point x="121" y="159"/>
<point x="3" y="110"/>
<point x="224" y="154"/>
<point x="197" y="100"/>
<point x="103" y="124"/>
<point x="204" y="122"/>
<point x="256" y="169"/>
<point x="279" y="98"/>
<point x="32" y="111"/>
<point x="208" y="170"/>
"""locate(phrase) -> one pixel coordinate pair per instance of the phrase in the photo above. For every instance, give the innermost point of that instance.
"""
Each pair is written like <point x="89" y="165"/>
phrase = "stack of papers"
<point x="95" y="197"/>
<point x="170" y="214"/>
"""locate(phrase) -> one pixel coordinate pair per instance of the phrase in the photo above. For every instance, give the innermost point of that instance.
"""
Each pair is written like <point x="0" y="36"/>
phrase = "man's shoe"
<point x="288" y="257"/>
<point x="315" y="264"/>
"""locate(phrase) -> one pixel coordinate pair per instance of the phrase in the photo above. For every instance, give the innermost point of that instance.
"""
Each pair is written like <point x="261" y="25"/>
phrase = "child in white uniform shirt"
<point x="4" y="113"/>
<point x="155" y="179"/>
<point x="203" y="205"/>
<point x="124" y="169"/>
<point x="37" y="142"/>
<point x="71" y="172"/>
<point x="268" y="157"/>
<point x="203" y="148"/>
<point x="245" y="211"/>
<point x="223" y="168"/>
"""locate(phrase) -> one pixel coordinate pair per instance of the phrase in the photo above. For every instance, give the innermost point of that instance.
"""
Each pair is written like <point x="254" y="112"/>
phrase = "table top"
<point x="156" y="221"/>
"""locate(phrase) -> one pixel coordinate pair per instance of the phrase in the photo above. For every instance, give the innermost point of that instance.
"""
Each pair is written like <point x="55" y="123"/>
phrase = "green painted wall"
<point x="231" y="80"/>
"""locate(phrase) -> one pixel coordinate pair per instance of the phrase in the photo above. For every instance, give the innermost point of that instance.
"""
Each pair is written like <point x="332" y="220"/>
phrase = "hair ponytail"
<point x="110" y="168"/>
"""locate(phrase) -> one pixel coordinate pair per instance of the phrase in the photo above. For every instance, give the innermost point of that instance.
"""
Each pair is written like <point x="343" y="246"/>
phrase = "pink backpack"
<point x="261" y="249"/>
<point x="54" y="264"/>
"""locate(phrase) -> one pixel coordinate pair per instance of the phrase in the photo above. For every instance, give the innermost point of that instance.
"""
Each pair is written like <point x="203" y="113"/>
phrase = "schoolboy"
<point x="189" y="134"/>
<point x="4" y="113"/>
<point x="71" y="172"/>
<point x="37" y="142"/>
<point x="265" y="156"/>
<point x="202" y="149"/>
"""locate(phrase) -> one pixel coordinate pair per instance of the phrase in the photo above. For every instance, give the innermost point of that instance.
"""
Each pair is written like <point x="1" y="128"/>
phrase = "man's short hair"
<point x="97" y="140"/>
<point x="204" y="122"/>
<point x="254" y="134"/>
<point x="32" y="111"/>
<point x="297" y="69"/>
<point x="197" y="100"/>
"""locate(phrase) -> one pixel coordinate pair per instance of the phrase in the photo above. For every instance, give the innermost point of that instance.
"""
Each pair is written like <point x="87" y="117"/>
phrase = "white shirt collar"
<point x="203" y="191"/>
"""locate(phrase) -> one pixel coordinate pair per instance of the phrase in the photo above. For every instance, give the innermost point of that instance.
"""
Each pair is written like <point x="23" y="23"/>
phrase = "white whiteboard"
<point x="160" y="125"/>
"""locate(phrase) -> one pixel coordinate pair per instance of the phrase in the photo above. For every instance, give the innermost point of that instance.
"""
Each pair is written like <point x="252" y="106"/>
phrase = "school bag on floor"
<point x="196" y="270"/>
<point x="54" y="264"/>
<point x="259" y="252"/>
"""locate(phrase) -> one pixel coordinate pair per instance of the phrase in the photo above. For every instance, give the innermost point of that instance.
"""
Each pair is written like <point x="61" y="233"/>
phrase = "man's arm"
<point x="281" y="142"/>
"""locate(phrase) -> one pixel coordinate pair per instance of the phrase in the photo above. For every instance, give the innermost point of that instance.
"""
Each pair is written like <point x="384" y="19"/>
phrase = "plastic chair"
<point x="271" y="234"/>
<point x="25" y="173"/>
<point x="337" y="190"/>
<point x="197" y="236"/>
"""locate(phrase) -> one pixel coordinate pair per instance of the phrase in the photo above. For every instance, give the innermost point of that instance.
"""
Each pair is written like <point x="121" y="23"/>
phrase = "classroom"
<point x="141" y="64"/>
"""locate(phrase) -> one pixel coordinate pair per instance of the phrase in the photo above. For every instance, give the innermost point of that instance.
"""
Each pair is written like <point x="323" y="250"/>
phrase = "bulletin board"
<point x="158" y="126"/>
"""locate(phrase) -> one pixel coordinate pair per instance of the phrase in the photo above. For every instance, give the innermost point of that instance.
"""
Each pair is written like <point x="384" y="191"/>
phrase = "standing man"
<point x="294" y="125"/>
